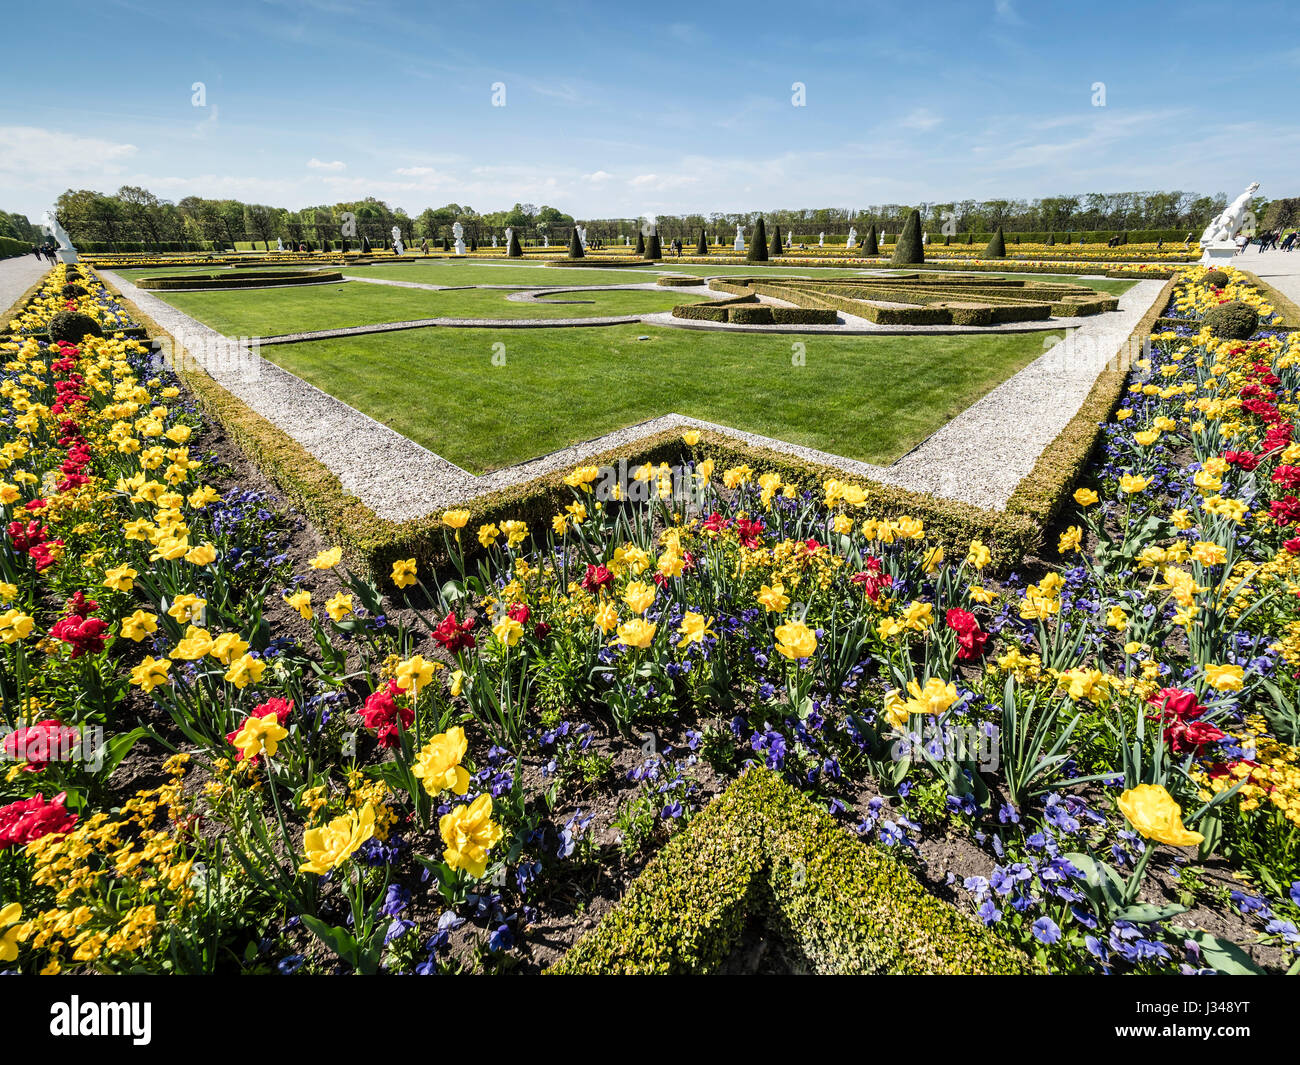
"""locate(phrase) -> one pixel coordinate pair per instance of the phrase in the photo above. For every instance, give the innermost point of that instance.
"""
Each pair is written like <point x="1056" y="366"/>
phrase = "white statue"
<point x="627" y="241"/>
<point x="821" y="241"/>
<point x="582" y="236"/>
<point x="494" y="240"/>
<point x="458" y="233"/>
<point x="1225" y="226"/>
<point x="509" y="232"/>
<point x="740" y="238"/>
<point x="279" y="244"/>
<point x="546" y="241"/>
<point x="789" y="240"/>
<point x="925" y="238"/>
<point x="67" y="253"/>
<point x="853" y="238"/>
<point x="397" y="240"/>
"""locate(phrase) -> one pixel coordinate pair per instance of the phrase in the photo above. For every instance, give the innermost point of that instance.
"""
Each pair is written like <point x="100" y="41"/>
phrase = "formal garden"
<point x="677" y="636"/>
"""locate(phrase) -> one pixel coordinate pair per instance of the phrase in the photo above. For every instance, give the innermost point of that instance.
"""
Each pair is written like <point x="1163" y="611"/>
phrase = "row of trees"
<point x="134" y="215"/>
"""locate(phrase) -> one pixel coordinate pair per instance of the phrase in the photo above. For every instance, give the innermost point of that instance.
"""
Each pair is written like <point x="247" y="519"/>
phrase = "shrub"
<point x="446" y="245"/>
<point x="514" y="251"/>
<point x="1233" y="320"/>
<point x="909" y="248"/>
<point x="575" y="247"/>
<point x="653" y="250"/>
<point x="871" y="246"/>
<point x="702" y="248"/>
<point x="73" y="292"/>
<point x="777" y="249"/>
<point x="1216" y="279"/>
<point x="996" y="247"/>
<point x="640" y="243"/>
<point x="72" y="326"/>
<point x="758" y="246"/>
<point x="1051" y="240"/>
<point x="751" y="315"/>
<point x="803" y="316"/>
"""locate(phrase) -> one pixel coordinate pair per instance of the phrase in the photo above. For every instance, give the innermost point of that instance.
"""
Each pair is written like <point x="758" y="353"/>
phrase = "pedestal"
<point x="68" y="255"/>
<point x="460" y="247"/>
<point x="1218" y="253"/>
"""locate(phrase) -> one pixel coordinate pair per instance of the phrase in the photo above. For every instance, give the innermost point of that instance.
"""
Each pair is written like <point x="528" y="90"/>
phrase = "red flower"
<point x="281" y="708"/>
<point x="1285" y="511"/>
<point x="453" y="634"/>
<point x="1292" y="546"/>
<point x="596" y="577"/>
<point x="1176" y="704"/>
<point x="83" y="635"/>
<point x="520" y="613"/>
<point x="31" y="819"/>
<point x="970" y="638"/>
<point x="81" y="606"/>
<point x="541" y="630"/>
<point x="872" y="580"/>
<point x="749" y="532"/>
<point x="40" y="744"/>
<point x="382" y="712"/>
<point x="1288" y="477"/>
<point x="714" y="523"/>
<point x="1277" y="437"/>
<point x="1245" y="459"/>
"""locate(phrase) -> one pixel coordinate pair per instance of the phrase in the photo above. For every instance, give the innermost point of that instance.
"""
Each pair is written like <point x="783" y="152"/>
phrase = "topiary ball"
<point x="1216" y="278"/>
<point x="1233" y="320"/>
<point x="72" y="326"/>
<point x="73" y="292"/>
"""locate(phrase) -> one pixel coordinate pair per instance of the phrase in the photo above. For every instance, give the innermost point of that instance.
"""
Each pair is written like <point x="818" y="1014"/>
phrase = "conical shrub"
<point x="758" y="246"/>
<point x="777" y="248"/>
<point x="702" y="248"/>
<point x="514" y="251"/>
<point x="996" y="247"/>
<point x="640" y="243"/>
<point x="871" y="246"/>
<point x="575" y="247"/>
<point x="909" y="249"/>
<point x="1051" y="240"/>
<point x="653" y="249"/>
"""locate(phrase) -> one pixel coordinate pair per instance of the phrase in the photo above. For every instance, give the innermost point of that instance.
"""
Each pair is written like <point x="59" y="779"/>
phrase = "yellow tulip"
<point x="1153" y="812"/>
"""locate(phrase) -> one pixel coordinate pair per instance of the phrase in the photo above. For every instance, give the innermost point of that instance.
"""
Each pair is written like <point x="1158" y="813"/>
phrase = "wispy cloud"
<point x="317" y="164"/>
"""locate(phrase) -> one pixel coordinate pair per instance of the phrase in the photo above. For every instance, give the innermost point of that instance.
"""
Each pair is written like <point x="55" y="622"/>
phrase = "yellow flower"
<point x="774" y="598"/>
<point x="417" y="672"/>
<point x="1209" y="554"/>
<point x="469" y="833"/>
<point x="508" y="630"/>
<point x="1116" y="619"/>
<point x="606" y="618"/>
<point x="260" y="734"/>
<point x="1085" y="497"/>
<point x="9" y="931"/>
<point x="329" y="846"/>
<point x="934" y="698"/>
<point x="139" y="625"/>
<point x="15" y="626"/>
<point x="694" y="629"/>
<point x="978" y="556"/>
<point x="196" y="644"/>
<point x="404" y="572"/>
<point x="150" y="673"/>
<point x="203" y="555"/>
<point x="327" y="559"/>
<point x="1146" y="438"/>
<point x="691" y="437"/>
<point x="301" y="602"/>
<point x="794" y="640"/>
<point x="1224" y="678"/>
<point x="455" y="519"/>
<point x="1131" y="484"/>
<point x="639" y="596"/>
<point x="186" y="608"/>
<point x="487" y="535"/>
<point x="120" y="578"/>
<point x="1070" y="540"/>
<point x="1154" y="813"/>
<point x="245" y="670"/>
<point x="227" y="647"/>
<point x="457" y="682"/>
<point x="339" y="606"/>
<point x="636" y="633"/>
<point x="438" y="763"/>
<point x="933" y="560"/>
<point x="895" y="709"/>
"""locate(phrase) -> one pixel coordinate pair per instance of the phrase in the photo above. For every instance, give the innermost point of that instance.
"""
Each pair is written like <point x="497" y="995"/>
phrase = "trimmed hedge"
<point x="762" y="851"/>
<point x="241" y="279"/>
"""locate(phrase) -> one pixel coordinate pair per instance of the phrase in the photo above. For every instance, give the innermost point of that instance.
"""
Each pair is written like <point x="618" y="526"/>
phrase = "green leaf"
<point x="1221" y="955"/>
<point x="1148" y="913"/>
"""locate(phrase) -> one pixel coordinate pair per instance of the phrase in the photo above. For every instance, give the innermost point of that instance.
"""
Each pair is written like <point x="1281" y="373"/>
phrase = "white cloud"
<point x="921" y="118"/>
<point x="1006" y="13"/>
<point x="413" y="171"/>
<point x="316" y="164"/>
<point x="598" y="177"/>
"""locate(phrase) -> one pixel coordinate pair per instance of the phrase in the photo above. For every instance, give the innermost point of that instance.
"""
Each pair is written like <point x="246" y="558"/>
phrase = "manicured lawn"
<point x="869" y="398"/>
<point x="268" y="312"/>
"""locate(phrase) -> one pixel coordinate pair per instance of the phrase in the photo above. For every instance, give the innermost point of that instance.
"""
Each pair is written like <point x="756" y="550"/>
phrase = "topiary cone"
<point x="513" y="250"/>
<point x="758" y="246"/>
<point x="703" y="247"/>
<point x="909" y="249"/>
<point x="777" y="248"/>
<point x="640" y="243"/>
<point x="996" y="247"/>
<point x="653" y="250"/>
<point x="575" y="247"/>
<point x="871" y="246"/>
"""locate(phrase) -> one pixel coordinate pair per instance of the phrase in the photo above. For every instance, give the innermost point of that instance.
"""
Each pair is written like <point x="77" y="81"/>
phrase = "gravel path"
<point x="979" y="457"/>
<point x="17" y="275"/>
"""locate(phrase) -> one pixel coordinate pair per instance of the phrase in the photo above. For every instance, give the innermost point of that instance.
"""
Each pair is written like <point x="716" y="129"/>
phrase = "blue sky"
<point x="636" y="108"/>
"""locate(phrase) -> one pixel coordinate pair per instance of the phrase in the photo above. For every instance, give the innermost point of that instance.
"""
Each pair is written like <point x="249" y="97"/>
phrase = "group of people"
<point x="46" y="251"/>
<point x="1273" y="240"/>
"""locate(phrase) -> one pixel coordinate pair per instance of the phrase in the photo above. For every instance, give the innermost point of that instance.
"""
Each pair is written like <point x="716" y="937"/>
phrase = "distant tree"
<point x="758" y="246"/>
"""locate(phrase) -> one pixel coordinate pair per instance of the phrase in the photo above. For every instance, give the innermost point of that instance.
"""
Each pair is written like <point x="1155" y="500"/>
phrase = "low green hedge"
<point x="762" y="852"/>
<point x="11" y="246"/>
<point x="679" y="282"/>
<point x="240" y="279"/>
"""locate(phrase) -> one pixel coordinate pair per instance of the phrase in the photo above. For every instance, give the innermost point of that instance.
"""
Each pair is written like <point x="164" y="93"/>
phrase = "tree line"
<point x="134" y="216"/>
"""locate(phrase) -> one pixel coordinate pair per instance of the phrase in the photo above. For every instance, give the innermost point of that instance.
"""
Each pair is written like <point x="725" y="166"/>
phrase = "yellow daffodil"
<point x="469" y="833"/>
<point x="438" y="764"/>
<point x="794" y="640"/>
<point x="328" y="847"/>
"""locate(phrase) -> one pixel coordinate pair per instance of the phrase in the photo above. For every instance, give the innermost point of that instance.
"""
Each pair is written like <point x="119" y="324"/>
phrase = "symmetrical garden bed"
<point x="463" y="759"/>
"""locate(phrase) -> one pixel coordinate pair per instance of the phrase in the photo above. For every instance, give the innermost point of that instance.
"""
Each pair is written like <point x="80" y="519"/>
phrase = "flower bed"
<point x="230" y="751"/>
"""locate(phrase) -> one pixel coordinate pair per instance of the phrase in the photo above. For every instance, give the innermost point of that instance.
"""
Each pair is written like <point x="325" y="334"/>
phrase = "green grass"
<point x="869" y="398"/>
<point x="268" y="312"/>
